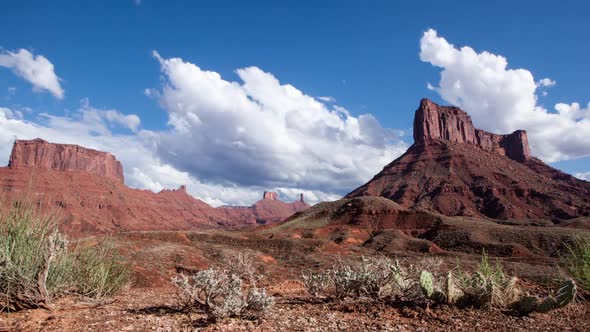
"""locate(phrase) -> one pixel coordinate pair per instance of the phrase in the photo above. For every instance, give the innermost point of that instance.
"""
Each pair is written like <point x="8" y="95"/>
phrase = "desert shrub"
<point x="490" y="287"/>
<point x="385" y="280"/>
<point x="317" y="284"/>
<point x="221" y="294"/>
<point x="374" y="279"/>
<point x="37" y="263"/>
<point x="28" y="244"/>
<point x="97" y="271"/>
<point x="577" y="261"/>
<point x="243" y="264"/>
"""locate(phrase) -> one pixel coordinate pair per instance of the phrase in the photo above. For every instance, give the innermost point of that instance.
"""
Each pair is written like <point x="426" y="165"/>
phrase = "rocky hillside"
<point x="458" y="170"/>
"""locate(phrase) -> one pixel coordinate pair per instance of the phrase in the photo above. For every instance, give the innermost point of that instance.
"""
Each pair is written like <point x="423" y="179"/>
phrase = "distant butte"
<point x="41" y="154"/>
<point x="458" y="170"/>
<point x="87" y="188"/>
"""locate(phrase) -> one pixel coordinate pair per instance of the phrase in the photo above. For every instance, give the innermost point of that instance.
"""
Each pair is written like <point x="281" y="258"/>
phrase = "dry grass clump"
<point x="577" y="262"/>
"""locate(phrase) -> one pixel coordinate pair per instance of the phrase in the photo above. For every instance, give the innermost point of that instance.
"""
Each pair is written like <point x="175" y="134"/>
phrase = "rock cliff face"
<point x="433" y="122"/>
<point x="456" y="169"/>
<point x="41" y="154"/>
<point x="87" y="187"/>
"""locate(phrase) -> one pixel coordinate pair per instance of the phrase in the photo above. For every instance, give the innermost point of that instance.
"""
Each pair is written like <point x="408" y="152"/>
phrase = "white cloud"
<point x="546" y="82"/>
<point x="36" y="69"/>
<point x="227" y="141"/>
<point x="142" y="168"/>
<point x="583" y="176"/>
<point x="327" y="99"/>
<point x="502" y="100"/>
<point x="109" y="117"/>
<point x="261" y="132"/>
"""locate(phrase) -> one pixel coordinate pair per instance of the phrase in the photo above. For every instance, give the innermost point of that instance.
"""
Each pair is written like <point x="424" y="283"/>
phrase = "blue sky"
<point x="365" y="55"/>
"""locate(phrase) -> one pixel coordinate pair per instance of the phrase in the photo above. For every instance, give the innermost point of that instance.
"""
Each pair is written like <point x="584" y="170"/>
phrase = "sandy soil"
<point x="155" y="310"/>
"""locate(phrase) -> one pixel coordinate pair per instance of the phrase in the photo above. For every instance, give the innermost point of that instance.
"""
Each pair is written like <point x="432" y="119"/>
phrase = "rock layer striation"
<point x="41" y="154"/>
<point x="447" y="123"/>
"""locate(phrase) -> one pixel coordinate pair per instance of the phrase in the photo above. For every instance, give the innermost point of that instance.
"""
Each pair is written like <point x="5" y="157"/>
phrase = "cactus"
<point x="484" y="290"/>
<point x="427" y="283"/>
<point x="453" y="294"/>
<point x="565" y="294"/>
<point x="526" y="305"/>
<point x="547" y="305"/>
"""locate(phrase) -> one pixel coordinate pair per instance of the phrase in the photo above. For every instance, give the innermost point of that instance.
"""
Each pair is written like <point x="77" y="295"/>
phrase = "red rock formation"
<point x="447" y="123"/>
<point x="456" y="169"/>
<point x="268" y="210"/>
<point x="86" y="187"/>
<point x="41" y="154"/>
<point x="269" y="195"/>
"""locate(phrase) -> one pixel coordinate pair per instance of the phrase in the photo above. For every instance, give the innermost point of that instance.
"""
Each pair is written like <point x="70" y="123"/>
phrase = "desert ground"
<point x="149" y="303"/>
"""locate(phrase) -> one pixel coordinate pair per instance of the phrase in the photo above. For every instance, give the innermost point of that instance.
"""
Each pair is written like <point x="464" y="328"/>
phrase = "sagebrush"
<point x="220" y="294"/>
<point x="38" y="263"/>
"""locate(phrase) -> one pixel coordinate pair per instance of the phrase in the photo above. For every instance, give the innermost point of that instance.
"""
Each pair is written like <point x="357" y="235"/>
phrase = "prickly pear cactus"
<point x="483" y="297"/>
<point x="565" y="294"/>
<point x="427" y="283"/>
<point x="526" y="305"/>
<point x="547" y="305"/>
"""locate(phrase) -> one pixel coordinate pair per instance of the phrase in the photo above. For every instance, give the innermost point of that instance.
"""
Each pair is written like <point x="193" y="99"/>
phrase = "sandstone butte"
<point x="86" y="188"/>
<point x="456" y="169"/>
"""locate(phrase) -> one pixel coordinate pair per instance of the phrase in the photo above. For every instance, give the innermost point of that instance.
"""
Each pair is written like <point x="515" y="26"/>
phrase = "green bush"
<point x="577" y="261"/>
<point x="37" y="263"/>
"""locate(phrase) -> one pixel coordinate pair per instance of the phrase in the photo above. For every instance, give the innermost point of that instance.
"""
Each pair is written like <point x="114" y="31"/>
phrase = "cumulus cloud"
<point x="501" y="99"/>
<point x="36" y="69"/>
<point x="262" y="132"/>
<point x="227" y="141"/>
<point x="546" y="82"/>
<point x="143" y="169"/>
<point x="583" y="176"/>
<point x="105" y="118"/>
